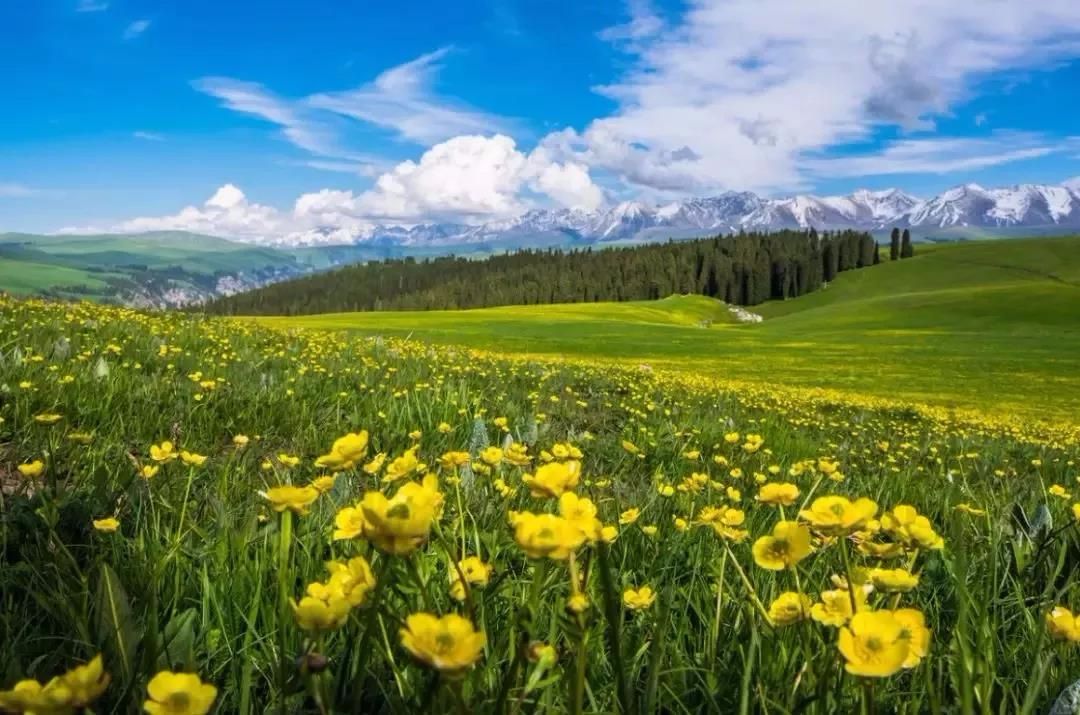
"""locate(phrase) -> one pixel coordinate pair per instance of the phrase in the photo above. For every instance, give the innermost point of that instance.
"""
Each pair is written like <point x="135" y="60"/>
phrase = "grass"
<point x="200" y="571"/>
<point x="27" y="278"/>
<point x="989" y="326"/>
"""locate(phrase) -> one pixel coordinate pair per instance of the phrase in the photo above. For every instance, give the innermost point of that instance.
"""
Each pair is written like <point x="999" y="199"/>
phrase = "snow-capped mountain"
<point x="970" y="206"/>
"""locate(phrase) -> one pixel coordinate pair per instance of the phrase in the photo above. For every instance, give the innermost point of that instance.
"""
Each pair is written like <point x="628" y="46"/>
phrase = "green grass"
<point x="199" y="574"/>
<point x="984" y="325"/>
<point x="27" y="277"/>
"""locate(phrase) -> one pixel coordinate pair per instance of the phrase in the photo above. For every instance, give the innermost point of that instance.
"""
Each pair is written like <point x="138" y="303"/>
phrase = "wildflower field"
<point x="210" y="516"/>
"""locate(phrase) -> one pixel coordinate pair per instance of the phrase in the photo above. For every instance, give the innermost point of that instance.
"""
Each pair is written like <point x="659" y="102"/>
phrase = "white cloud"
<point x="939" y="155"/>
<point x="466" y="179"/>
<point x="135" y="29"/>
<point x="1073" y="183"/>
<point x="297" y="125"/>
<point x="402" y="100"/>
<point x="644" y="22"/>
<point x="148" y="136"/>
<point x="91" y="6"/>
<point x="739" y="92"/>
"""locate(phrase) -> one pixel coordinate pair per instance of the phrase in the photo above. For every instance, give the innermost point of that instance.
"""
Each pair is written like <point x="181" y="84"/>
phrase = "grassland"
<point x="254" y="520"/>
<point x="979" y="325"/>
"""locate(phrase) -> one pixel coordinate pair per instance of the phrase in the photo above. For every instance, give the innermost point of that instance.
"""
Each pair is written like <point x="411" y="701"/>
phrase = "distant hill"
<point x="157" y="269"/>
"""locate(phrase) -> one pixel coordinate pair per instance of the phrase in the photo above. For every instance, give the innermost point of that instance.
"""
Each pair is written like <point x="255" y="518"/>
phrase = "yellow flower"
<point x="835" y="606"/>
<point x="630" y="447"/>
<point x="874" y="645"/>
<point x="401" y="524"/>
<point x="609" y="533"/>
<point x="637" y="599"/>
<point x="491" y="456"/>
<point x="475" y="571"/>
<point x="577" y="603"/>
<point x="837" y="515"/>
<point x="443" y="428"/>
<point x="629" y="516"/>
<point x="191" y="459"/>
<point x="149" y="471"/>
<point x="179" y="694"/>
<point x="323" y="484"/>
<point x="33" y="469"/>
<point x="85" y="683"/>
<point x="287" y="460"/>
<point x="1076" y="511"/>
<point x="452" y="460"/>
<point x="788" y="544"/>
<point x="81" y="437"/>
<point x="351" y="580"/>
<point x="1056" y="490"/>
<point x="778" y="493"/>
<point x="910" y="528"/>
<point x="450" y="643"/>
<point x="315" y="614"/>
<point x="914" y="630"/>
<point x="1063" y="625"/>
<point x="789" y="607"/>
<point x="581" y="513"/>
<point x="349" y="523"/>
<point x="165" y="452"/>
<point x="240" y="440"/>
<point x="296" y="499"/>
<point x="107" y="525"/>
<point x="403" y="466"/>
<point x="345" y="453"/>
<point x="554" y="478"/>
<point x="376" y="464"/>
<point x="546" y="535"/>
<point x="48" y="418"/>
<point x="649" y="530"/>
<point x="30" y="696"/>
<point x="899" y="580"/>
<point x="680" y="523"/>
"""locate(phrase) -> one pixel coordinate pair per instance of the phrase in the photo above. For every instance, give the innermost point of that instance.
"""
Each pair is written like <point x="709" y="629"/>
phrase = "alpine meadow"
<point x="655" y="357"/>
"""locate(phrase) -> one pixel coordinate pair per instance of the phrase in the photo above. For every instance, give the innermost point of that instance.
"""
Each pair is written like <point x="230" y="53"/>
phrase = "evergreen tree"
<point x="894" y="244"/>
<point x="746" y="269"/>
<point x="906" y="249"/>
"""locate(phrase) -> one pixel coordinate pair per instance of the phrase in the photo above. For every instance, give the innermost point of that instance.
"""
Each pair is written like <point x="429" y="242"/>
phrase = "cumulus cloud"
<point x="751" y="87"/>
<point x="466" y="179"/>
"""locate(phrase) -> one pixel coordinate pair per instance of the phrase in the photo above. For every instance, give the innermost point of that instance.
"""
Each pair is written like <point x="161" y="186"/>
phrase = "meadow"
<point x="989" y="326"/>
<point x="215" y="515"/>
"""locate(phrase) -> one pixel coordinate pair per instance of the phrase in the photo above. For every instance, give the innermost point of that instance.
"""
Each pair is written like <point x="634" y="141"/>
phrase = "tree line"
<point x="743" y="269"/>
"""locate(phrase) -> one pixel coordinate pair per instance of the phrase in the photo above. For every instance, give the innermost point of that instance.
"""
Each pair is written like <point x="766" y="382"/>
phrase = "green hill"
<point x="988" y="325"/>
<point x="120" y="266"/>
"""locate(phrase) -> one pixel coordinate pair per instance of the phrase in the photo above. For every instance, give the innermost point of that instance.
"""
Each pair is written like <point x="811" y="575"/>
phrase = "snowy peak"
<point x="968" y="205"/>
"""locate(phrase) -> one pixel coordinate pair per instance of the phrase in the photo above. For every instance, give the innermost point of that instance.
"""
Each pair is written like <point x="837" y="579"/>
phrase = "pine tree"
<point x="894" y="244"/>
<point x="906" y="249"/>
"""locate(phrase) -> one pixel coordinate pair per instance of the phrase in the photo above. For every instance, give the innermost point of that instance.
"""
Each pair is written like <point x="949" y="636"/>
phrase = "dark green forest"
<point x="744" y="269"/>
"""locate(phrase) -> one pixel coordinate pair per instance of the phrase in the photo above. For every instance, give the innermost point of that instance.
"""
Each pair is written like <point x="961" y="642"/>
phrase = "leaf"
<point x="115" y="623"/>
<point x="1068" y="703"/>
<point x="101" y="369"/>
<point x="178" y="642"/>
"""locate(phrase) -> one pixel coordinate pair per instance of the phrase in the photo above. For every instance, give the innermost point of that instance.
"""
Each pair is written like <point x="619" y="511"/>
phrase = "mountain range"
<point x="173" y="268"/>
<point x="967" y="209"/>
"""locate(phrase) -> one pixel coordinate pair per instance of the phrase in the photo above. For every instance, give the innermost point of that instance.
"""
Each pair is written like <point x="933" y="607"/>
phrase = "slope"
<point x="990" y="325"/>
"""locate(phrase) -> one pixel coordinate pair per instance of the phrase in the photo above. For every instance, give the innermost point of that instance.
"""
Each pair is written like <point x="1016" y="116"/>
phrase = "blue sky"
<point x="119" y="114"/>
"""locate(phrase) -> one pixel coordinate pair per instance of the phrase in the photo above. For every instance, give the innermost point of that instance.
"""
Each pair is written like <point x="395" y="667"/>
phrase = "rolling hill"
<point x="157" y="269"/>
<point x="987" y="325"/>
